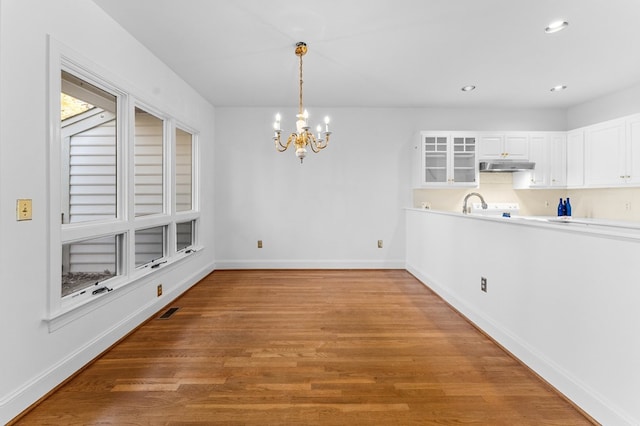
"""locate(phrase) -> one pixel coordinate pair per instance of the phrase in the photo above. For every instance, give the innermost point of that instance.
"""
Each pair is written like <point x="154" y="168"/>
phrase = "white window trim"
<point x="62" y="311"/>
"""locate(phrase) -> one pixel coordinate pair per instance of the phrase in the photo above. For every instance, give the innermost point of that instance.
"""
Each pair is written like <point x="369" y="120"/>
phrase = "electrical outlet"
<point x="379" y="243"/>
<point x="483" y="284"/>
<point x="159" y="290"/>
<point x="259" y="243"/>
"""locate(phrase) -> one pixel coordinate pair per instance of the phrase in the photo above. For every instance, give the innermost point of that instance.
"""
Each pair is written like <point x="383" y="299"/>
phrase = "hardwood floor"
<point x="306" y="347"/>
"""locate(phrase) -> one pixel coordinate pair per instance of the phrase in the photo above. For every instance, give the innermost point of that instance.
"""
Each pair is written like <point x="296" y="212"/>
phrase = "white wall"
<point x="331" y="210"/>
<point x="618" y="104"/>
<point x="34" y="360"/>
<point x="571" y="318"/>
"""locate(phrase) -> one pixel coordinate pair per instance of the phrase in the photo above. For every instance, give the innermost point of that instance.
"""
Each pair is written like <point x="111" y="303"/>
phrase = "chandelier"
<point x="302" y="136"/>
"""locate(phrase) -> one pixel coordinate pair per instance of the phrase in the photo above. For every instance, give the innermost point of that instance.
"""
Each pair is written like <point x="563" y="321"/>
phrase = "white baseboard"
<point x="310" y="264"/>
<point x="20" y="399"/>
<point x="593" y="403"/>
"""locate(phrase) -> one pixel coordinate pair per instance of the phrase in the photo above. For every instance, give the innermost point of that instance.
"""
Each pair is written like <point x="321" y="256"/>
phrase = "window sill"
<point x="77" y="306"/>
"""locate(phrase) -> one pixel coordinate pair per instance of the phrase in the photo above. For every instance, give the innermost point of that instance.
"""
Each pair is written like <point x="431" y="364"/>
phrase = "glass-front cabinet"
<point x="448" y="159"/>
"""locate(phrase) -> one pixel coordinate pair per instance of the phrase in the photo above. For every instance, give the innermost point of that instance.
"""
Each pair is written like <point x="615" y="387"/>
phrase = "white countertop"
<point x="601" y="227"/>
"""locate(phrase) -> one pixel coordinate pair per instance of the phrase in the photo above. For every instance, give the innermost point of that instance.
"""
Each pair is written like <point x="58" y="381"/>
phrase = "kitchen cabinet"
<point x="632" y="134"/>
<point x="504" y="146"/>
<point x="602" y="155"/>
<point x="575" y="158"/>
<point x="549" y="152"/>
<point x="538" y="153"/>
<point x="557" y="160"/>
<point x="448" y="159"/>
<point x="605" y="154"/>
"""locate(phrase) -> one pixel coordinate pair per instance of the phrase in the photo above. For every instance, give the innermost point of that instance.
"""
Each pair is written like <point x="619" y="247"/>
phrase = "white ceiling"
<point x="392" y="53"/>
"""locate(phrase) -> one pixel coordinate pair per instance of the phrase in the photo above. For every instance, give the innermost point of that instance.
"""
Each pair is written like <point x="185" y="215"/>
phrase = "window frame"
<point x="63" y="310"/>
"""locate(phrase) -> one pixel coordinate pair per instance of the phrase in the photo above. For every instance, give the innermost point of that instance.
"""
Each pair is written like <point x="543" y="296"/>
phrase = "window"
<point x="184" y="235"/>
<point x="150" y="245"/>
<point x="149" y="163"/>
<point x="89" y="262"/>
<point x="116" y="164"/>
<point x="89" y="151"/>
<point x="184" y="171"/>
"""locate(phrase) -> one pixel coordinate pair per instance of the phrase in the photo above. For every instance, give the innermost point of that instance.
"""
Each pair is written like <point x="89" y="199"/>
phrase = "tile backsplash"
<point x="605" y="203"/>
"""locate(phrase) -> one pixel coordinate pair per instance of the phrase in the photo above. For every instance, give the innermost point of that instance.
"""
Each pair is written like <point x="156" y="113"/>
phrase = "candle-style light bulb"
<point x="319" y="129"/>
<point x="276" y="125"/>
<point x="326" y="124"/>
<point x="305" y="115"/>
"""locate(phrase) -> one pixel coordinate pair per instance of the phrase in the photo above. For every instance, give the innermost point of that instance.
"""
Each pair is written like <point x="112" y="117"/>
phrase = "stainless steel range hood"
<point x="506" y="166"/>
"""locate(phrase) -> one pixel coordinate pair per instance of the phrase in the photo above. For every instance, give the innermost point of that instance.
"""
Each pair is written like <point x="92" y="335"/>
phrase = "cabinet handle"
<point x="621" y="177"/>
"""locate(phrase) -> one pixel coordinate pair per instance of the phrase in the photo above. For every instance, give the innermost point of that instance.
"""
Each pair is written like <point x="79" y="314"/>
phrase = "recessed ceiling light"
<point x="468" y="88"/>
<point x="558" y="88"/>
<point x="556" y="26"/>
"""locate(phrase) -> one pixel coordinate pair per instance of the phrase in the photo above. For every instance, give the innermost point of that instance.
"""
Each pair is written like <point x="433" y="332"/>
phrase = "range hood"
<point x="506" y="166"/>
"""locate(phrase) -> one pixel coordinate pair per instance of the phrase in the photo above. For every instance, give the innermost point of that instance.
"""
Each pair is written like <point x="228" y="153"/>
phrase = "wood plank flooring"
<point x="306" y="347"/>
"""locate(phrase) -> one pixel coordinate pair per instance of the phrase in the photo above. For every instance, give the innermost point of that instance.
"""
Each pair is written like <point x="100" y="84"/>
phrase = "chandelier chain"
<point x="300" y="108"/>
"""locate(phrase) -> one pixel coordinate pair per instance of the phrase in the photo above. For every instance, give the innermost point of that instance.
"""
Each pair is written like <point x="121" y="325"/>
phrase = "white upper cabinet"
<point x="633" y="149"/>
<point x="504" y="146"/>
<point x="605" y="149"/>
<point x="539" y="154"/>
<point x="548" y="151"/>
<point x="575" y="158"/>
<point x="448" y="159"/>
<point x="602" y="155"/>
<point x="491" y="147"/>
<point x="516" y="146"/>
<point x="605" y="155"/>
<point x="557" y="159"/>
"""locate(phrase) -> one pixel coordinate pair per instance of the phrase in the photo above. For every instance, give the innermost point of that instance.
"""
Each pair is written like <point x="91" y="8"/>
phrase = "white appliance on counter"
<point x="496" y="209"/>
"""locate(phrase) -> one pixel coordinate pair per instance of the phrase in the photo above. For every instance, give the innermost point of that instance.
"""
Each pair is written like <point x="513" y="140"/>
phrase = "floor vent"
<point x="168" y="314"/>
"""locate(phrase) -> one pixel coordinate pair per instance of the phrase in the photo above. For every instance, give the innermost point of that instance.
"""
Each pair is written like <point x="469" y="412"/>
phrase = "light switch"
<point x="23" y="209"/>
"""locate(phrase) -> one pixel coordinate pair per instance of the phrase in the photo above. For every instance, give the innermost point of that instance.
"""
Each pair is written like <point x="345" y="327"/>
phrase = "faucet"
<point x="465" y="210"/>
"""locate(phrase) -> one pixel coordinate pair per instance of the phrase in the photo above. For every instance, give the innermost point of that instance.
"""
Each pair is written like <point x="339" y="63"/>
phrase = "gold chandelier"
<point x="302" y="136"/>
